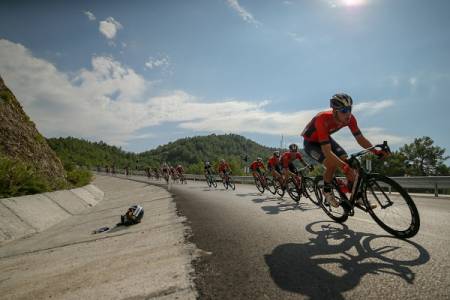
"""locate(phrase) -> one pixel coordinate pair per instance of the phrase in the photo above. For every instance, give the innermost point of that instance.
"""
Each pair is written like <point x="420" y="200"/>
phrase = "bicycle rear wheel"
<point x="259" y="185"/>
<point x="396" y="212"/>
<point x="338" y="214"/>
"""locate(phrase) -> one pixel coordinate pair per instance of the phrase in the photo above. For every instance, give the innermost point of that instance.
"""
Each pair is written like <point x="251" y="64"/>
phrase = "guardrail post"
<point x="436" y="193"/>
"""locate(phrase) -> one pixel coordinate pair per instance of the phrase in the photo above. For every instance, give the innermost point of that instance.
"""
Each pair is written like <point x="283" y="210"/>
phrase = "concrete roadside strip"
<point x="52" y="253"/>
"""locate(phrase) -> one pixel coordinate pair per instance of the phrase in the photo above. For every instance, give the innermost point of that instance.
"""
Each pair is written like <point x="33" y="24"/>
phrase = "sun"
<point x="353" y="2"/>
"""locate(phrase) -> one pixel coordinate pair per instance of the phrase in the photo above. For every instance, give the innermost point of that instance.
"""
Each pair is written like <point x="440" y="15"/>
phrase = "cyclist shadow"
<point x="299" y="268"/>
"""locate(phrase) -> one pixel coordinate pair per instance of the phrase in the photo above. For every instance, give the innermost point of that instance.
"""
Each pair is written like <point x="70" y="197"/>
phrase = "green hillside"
<point x="190" y="152"/>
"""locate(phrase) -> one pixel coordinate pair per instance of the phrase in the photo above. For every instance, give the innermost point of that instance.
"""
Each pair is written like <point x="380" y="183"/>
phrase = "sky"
<point x="138" y="74"/>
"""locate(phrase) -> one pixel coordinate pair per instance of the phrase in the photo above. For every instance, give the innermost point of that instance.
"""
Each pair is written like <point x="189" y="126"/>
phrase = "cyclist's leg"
<point x="315" y="151"/>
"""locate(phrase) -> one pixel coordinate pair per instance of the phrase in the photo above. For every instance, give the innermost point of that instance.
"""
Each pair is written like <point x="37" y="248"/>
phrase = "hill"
<point x="27" y="163"/>
<point x="191" y="152"/>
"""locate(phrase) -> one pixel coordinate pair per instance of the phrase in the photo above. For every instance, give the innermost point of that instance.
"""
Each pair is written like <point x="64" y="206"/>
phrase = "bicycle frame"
<point x="361" y="177"/>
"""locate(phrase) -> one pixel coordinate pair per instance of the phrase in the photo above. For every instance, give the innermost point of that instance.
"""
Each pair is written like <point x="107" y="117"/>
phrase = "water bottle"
<point x="343" y="187"/>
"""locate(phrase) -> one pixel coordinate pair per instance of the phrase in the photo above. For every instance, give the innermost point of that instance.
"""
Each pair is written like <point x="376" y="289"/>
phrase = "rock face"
<point x="20" y="140"/>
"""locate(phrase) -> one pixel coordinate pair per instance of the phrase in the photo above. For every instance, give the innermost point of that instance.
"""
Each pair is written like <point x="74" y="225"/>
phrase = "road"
<point x="262" y="247"/>
<point x="149" y="260"/>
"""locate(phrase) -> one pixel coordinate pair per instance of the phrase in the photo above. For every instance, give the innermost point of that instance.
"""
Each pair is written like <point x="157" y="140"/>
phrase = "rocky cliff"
<point x="20" y="140"/>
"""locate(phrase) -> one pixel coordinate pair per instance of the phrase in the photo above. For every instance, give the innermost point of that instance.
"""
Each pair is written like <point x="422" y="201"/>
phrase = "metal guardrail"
<point x="434" y="183"/>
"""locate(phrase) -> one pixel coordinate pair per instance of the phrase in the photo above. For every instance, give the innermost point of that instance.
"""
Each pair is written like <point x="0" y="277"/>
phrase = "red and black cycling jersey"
<point x="324" y="124"/>
<point x="273" y="162"/>
<point x="179" y="169"/>
<point x="256" y="165"/>
<point x="288" y="157"/>
<point x="224" y="167"/>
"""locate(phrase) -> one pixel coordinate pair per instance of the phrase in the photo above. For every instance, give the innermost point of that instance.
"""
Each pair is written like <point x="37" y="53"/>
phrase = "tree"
<point x="424" y="159"/>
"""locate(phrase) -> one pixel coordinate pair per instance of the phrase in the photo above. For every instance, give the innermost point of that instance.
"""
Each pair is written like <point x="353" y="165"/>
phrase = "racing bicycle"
<point x="396" y="212"/>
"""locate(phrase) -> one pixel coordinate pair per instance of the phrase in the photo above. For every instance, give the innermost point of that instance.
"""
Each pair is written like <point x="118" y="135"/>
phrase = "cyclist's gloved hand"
<point x="380" y="153"/>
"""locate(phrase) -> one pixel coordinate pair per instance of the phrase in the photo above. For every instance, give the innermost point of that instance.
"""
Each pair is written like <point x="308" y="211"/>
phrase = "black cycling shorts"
<point x="315" y="150"/>
<point x="277" y="168"/>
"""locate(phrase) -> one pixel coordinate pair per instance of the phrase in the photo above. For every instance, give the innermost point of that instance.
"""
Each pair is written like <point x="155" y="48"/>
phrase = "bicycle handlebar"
<point x="383" y="147"/>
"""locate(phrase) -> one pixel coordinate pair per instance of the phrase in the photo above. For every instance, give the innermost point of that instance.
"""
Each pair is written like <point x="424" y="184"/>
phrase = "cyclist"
<point x="274" y="165"/>
<point x="208" y="170"/>
<point x="223" y="169"/>
<point x="256" y="167"/>
<point x="165" y="171"/>
<point x="287" y="162"/>
<point x="324" y="149"/>
<point x="180" y="171"/>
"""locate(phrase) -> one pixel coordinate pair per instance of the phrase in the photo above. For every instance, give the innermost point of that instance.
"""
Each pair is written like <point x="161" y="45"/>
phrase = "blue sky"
<point x="138" y="74"/>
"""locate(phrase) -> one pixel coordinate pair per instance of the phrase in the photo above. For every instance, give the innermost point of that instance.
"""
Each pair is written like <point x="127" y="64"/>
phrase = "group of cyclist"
<point x="175" y="173"/>
<point x="317" y="143"/>
<point x="320" y="146"/>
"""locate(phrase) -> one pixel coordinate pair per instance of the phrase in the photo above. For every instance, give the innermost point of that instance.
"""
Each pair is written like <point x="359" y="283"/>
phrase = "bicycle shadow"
<point x="249" y="194"/>
<point x="265" y="198"/>
<point x="299" y="268"/>
<point x="287" y="206"/>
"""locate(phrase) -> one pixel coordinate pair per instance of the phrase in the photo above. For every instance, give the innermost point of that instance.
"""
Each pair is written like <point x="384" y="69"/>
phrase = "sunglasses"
<point x="346" y="109"/>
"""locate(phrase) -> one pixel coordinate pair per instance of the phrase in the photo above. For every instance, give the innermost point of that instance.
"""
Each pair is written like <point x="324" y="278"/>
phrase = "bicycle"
<point x="299" y="185"/>
<point x="228" y="181"/>
<point x="279" y="186"/>
<point x="395" y="205"/>
<point x="210" y="180"/>
<point x="262" y="183"/>
<point x="182" y="178"/>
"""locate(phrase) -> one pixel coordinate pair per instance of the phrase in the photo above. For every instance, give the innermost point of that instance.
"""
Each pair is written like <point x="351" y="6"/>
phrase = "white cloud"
<point x="375" y="135"/>
<point x="110" y="27"/>
<point x="413" y="81"/>
<point x="373" y="107"/>
<point x="297" y="37"/>
<point x="245" y="15"/>
<point x="161" y="62"/>
<point x="90" y="15"/>
<point x="109" y="101"/>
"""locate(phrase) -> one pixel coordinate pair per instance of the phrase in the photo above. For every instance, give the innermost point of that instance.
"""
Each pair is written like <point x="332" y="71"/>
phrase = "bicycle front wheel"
<point x="271" y="186"/>
<point x="231" y="183"/>
<point x="309" y="190"/>
<point x="259" y="186"/>
<point x="278" y="188"/>
<point x="293" y="190"/>
<point x="395" y="212"/>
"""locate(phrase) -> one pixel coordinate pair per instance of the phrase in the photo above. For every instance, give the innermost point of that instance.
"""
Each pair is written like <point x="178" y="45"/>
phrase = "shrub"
<point x="18" y="178"/>
<point x="79" y="177"/>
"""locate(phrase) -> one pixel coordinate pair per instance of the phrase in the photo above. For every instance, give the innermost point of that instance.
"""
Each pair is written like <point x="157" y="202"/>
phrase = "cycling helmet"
<point x="222" y="161"/>
<point x="293" y="147"/>
<point x="259" y="159"/>
<point x="206" y="163"/>
<point x="341" y="100"/>
<point x="277" y="153"/>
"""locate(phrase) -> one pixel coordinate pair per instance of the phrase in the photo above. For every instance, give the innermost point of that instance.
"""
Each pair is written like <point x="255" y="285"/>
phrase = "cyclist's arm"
<point x="363" y="142"/>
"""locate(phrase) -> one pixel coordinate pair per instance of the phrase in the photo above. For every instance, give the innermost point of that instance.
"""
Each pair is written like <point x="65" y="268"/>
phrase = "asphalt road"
<point x="262" y="247"/>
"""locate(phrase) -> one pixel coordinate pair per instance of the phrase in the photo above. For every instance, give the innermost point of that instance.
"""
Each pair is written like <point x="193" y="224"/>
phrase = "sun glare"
<point x="353" y="2"/>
